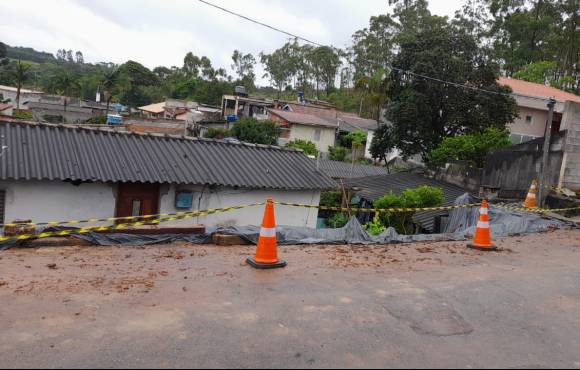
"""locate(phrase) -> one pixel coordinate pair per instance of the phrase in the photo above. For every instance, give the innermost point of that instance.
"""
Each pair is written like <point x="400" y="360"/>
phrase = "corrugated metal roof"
<point x="375" y="187"/>
<point x="357" y="122"/>
<point x="304" y="119"/>
<point x="49" y="152"/>
<point x="343" y="170"/>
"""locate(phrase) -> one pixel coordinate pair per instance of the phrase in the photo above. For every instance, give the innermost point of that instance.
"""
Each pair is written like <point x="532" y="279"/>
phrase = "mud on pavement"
<point x="412" y="305"/>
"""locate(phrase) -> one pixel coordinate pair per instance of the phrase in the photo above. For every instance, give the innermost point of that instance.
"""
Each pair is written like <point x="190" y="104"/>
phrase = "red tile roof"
<point x="538" y="90"/>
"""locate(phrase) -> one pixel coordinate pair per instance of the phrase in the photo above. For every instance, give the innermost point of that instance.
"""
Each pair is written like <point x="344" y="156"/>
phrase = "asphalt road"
<point x="179" y="306"/>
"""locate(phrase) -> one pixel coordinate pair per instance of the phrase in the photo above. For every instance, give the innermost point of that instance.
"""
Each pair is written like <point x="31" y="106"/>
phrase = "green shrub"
<point x="375" y="227"/>
<point x="421" y="197"/>
<point x="337" y="153"/>
<point x="250" y="130"/>
<point x="22" y="114"/>
<point x="471" y="148"/>
<point x="308" y="147"/>
<point x="331" y="199"/>
<point x="217" y="133"/>
<point x="337" y="221"/>
<point x="99" y="120"/>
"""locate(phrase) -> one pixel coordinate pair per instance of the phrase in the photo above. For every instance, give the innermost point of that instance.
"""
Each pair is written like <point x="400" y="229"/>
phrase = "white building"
<point x="532" y="100"/>
<point x="56" y="173"/>
<point x="300" y="126"/>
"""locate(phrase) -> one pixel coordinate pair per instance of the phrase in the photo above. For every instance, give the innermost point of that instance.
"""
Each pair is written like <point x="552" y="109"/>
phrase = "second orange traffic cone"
<point x="532" y="198"/>
<point x="267" y="253"/>
<point x="482" y="238"/>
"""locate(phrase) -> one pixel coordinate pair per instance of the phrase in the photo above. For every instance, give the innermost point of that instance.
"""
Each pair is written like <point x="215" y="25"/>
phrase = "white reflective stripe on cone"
<point x="483" y="211"/>
<point x="483" y="225"/>
<point x="531" y="195"/>
<point x="268" y="233"/>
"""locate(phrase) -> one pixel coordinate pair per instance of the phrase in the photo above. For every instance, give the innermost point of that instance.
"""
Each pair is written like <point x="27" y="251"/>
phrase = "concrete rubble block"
<point x="228" y="240"/>
<point x="21" y="227"/>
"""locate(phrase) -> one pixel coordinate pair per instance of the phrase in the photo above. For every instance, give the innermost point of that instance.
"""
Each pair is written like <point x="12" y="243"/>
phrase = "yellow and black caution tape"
<point x="378" y="210"/>
<point x="536" y="210"/>
<point x="413" y="210"/>
<point x="561" y="190"/>
<point x="149" y="221"/>
<point x="115" y="219"/>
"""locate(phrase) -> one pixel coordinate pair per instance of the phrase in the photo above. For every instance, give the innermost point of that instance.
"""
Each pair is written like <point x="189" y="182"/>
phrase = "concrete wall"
<point x="72" y="114"/>
<point x="570" y="169"/>
<point x="24" y="97"/>
<point x="60" y="201"/>
<point x="205" y="198"/>
<point x="303" y="132"/>
<point x="512" y="171"/>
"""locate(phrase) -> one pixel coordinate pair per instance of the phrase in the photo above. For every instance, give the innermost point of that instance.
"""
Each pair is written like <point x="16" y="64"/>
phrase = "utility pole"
<point x="543" y="191"/>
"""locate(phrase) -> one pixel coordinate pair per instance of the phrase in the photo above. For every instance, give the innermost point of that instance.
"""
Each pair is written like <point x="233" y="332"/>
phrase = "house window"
<point x="530" y="120"/>
<point x="317" y="135"/>
<point x="136" y="208"/>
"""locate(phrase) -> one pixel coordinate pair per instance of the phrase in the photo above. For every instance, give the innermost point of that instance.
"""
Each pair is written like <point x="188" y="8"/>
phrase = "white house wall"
<point x="57" y="201"/>
<point x="48" y="201"/>
<point x="303" y="132"/>
<point x="204" y="198"/>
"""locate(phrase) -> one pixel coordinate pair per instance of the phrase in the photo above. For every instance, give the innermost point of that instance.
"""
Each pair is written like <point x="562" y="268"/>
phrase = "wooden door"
<point x="137" y="200"/>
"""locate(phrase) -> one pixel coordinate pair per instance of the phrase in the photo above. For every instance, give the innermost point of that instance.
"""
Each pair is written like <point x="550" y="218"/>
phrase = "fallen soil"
<point x="181" y="306"/>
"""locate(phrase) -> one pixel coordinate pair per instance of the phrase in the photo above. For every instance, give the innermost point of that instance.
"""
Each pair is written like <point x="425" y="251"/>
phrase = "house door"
<point x="137" y="200"/>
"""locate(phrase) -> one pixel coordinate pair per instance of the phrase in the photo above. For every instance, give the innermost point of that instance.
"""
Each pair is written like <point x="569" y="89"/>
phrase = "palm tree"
<point x="20" y="74"/>
<point x="375" y="89"/>
<point x="109" y="83"/>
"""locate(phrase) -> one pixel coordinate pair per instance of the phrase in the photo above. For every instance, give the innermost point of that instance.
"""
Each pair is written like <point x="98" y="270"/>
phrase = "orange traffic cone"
<point x="532" y="198"/>
<point x="482" y="237"/>
<point x="267" y="253"/>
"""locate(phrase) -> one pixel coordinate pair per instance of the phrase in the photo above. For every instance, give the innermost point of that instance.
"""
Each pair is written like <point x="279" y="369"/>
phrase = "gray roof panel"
<point x="49" y="152"/>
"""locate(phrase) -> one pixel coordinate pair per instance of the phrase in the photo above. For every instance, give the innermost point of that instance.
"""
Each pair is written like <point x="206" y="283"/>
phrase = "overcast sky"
<point x="161" y="32"/>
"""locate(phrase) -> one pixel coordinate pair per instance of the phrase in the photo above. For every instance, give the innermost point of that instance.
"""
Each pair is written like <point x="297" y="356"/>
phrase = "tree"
<point x="80" y="59"/>
<point x="383" y="143"/>
<point x="375" y="92"/>
<point x="21" y="74"/>
<point x="141" y="85"/>
<point x="109" y="83"/>
<point x="324" y="63"/>
<point x="250" y="130"/>
<point x="278" y="67"/>
<point x="191" y="65"/>
<point x="470" y="148"/>
<point x="3" y="51"/>
<point x="423" y="111"/>
<point x="374" y="47"/>
<point x="243" y="65"/>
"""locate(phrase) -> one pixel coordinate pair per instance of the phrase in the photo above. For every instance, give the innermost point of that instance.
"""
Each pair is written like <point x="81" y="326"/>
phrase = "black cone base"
<point x="483" y="249"/>
<point x="268" y="266"/>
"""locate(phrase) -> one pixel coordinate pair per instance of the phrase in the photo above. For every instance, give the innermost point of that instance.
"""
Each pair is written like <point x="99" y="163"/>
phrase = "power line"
<point x="476" y="89"/>
<point x="260" y="23"/>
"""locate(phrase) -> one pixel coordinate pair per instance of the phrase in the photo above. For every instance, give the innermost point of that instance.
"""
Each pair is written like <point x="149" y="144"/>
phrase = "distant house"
<point x="235" y="107"/>
<point x="533" y="113"/>
<point x="300" y="126"/>
<point x="346" y="122"/>
<point x="78" y="173"/>
<point x="6" y="109"/>
<point x="153" y="111"/>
